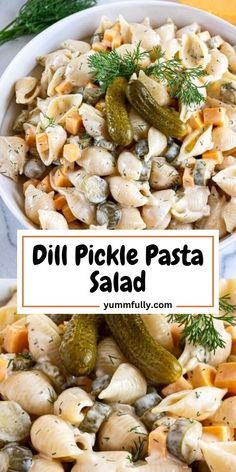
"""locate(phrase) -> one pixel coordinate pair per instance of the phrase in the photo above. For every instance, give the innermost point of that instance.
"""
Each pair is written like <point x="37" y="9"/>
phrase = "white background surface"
<point x="8" y="223"/>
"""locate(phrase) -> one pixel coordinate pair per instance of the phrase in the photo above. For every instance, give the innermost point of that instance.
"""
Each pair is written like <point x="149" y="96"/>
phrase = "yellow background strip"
<point x="224" y="8"/>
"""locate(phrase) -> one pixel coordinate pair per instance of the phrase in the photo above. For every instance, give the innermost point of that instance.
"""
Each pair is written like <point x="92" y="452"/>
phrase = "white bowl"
<point x="7" y="286"/>
<point x="78" y="26"/>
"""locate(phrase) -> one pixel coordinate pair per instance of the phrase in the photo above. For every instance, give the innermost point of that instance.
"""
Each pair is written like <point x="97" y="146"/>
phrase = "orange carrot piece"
<point x="15" y="338"/>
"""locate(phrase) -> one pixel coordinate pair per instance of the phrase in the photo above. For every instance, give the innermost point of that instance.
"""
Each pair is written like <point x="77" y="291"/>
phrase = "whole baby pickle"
<point x="78" y="348"/>
<point x="118" y="122"/>
<point x="161" y="118"/>
<point x="142" y="350"/>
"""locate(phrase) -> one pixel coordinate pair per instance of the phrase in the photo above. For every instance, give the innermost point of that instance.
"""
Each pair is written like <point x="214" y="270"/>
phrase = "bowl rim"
<point x="7" y="199"/>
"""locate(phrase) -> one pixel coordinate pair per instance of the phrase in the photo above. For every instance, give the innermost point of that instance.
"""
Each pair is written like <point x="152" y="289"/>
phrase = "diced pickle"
<point x="96" y="189"/>
<point x="20" y="458"/>
<point x="108" y="213"/>
<point x="53" y="373"/>
<point x="228" y="92"/>
<point x="149" y="419"/>
<point x="183" y="439"/>
<point x="91" y="95"/>
<point x="96" y="38"/>
<point x="172" y="150"/>
<point x="146" y="402"/>
<point x="100" y="383"/>
<point x="94" y="418"/>
<point x="141" y="148"/>
<point x="34" y="168"/>
<point x="103" y="143"/>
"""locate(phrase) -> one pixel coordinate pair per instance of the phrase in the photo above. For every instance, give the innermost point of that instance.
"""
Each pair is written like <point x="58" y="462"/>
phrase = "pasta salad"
<point x="116" y="394"/>
<point x="133" y="129"/>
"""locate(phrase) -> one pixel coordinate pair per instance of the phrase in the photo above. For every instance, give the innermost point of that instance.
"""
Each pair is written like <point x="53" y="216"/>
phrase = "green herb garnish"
<point x="180" y="81"/>
<point x="137" y="449"/>
<point x="52" y="396"/>
<point x="106" y="66"/>
<point x="36" y="15"/>
<point x="200" y="329"/>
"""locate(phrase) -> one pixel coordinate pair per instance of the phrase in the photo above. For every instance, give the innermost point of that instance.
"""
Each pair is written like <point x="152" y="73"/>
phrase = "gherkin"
<point x="78" y="348"/>
<point x="131" y="335"/>
<point x="119" y="126"/>
<point x="161" y="118"/>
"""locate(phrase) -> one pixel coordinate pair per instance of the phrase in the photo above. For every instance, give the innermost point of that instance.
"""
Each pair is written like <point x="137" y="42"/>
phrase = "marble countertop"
<point x="8" y="223"/>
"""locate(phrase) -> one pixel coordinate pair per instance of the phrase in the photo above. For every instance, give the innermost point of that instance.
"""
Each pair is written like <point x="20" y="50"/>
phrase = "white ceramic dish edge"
<point x="50" y="39"/>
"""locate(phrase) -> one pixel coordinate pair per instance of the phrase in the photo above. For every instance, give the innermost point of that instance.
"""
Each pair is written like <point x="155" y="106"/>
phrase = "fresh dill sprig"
<point x="36" y="15"/>
<point x="106" y="66"/>
<point x="226" y="306"/>
<point x="200" y="329"/>
<point x="137" y="449"/>
<point x="179" y="80"/>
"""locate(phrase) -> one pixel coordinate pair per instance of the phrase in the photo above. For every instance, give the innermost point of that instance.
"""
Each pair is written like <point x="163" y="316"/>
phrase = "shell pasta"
<point x="87" y="403"/>
<point x="89" y="156"/>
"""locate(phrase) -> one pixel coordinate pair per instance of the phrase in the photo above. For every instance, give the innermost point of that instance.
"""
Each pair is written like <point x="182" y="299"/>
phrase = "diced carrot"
<point x="15" y="338"/>
<point x="33" y="182"/>
<point x="42" y="142"/>
<point x="98" y="46"/>
<point x="61" y="180"/>
<point x="196" y="120"/>
<point x="30" y="138"/>
<point x="232" y="331"/>
<point x="217" y="433"/>
<point x="216" y="156"/>
<point x="59" y="201"/>
<point x="188" y="180"/>
<point x="68" y="214"/>
<point x="64" y="87"/>
<point x="73" y="123"/>
<point x="180" y="384"/>
<point x="3" y="368"/>
<point x="157" y="442"/>
<point x="226" y="377"/>
<point x="202" y="376"/>
<point x="71" y="152"/>
<point x="214" y="116"/>
<point x="45" y="185"/>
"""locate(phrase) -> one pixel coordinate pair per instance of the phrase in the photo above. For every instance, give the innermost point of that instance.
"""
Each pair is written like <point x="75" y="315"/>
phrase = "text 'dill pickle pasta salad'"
<point x="118" y="393"/>
<point x="134" y="128"/>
